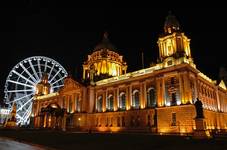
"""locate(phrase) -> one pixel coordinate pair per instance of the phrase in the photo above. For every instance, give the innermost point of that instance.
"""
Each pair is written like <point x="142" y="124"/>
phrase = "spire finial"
<point x="105" y="35"/>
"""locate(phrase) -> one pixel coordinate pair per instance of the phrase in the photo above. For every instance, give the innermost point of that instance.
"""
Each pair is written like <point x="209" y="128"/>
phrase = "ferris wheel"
<point x="20" y="85"/>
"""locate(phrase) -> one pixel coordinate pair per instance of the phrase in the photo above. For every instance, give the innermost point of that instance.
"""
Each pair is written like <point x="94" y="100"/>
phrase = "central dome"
<point x="105" y="44"/>
<point x="104" y="62"/>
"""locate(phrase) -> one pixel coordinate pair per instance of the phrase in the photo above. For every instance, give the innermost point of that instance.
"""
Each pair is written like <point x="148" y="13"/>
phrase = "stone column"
<point x="38" y="125"/>
<point x="64" y="122"/>
<point x="187" y="89"/>
<point x="217" y="99"/>
<point x="106" y="96"/>
<point x="181" y="89"/>
<point x="104" y="101"/>
<point x="54" y="121"/>
<point x="196" y="87"/>
<point x="141" y="96"/>
<point x="145" y="94"/>
<point x="127" y="98"/>
<point x="117" y="97"/>
<point x="130" y="96"/>
<point x="37" y="108"/>
<point x="67" y="103"/>
<point x="163" y="90"/>
<point x="83" y="73"/>
<point x="95" y="101"/>
<point x="44" y="120"/>
<point x="73" y="102"/>
<point x="159" y="91"/>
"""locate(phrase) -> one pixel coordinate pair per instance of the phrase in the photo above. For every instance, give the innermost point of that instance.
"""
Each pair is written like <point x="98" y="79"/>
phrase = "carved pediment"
<point x="70" y="84"/>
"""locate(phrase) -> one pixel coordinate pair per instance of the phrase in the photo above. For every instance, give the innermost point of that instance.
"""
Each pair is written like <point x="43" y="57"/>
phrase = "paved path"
<point x="8" y="144"/>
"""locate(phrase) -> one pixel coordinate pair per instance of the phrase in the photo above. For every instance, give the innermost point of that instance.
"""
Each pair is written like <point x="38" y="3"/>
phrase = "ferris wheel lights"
<point x="20" y="85"/>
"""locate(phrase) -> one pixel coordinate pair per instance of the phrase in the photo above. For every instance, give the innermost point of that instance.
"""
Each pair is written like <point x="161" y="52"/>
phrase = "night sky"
<point x="68" y="35"/>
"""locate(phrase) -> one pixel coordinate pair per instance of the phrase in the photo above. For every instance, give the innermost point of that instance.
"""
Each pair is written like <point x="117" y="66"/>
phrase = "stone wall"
<point x="176" y="119"/>
<point x="215" y="120"/>
<point x="132" y="120"/>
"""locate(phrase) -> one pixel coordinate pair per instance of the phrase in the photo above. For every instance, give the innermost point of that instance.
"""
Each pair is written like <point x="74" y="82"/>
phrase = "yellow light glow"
<point x="114" y="71"/>
<point x="46" y="96"/>
<point x="142" y="106"/>
<point x="183" y="130"/>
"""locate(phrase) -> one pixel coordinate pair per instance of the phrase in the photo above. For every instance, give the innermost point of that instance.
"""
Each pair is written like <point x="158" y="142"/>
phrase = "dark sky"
<point x="68" y="35"/>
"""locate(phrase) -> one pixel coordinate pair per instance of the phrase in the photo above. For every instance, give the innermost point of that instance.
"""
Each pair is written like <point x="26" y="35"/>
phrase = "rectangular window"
<point x="174" y="119"/>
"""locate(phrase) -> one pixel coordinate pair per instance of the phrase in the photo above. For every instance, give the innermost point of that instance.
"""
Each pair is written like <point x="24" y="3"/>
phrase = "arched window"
<point x="122" y="101"/>
<point x="109" y="103"/>
<point x="99" y="104"/>
<point x="151" y="99"/>
<point x="135" y="99"/>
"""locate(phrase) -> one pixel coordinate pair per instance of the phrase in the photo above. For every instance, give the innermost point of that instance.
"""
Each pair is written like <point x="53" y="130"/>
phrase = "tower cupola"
<point x="173" y="43"/>
<point x="171" y="24"/>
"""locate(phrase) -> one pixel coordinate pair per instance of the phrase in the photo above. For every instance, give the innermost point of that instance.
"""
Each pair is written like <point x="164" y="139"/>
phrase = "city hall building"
<point x="158" y="99"/>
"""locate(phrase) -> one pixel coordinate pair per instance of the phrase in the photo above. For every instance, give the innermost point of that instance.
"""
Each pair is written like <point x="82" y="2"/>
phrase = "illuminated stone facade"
<point x="43" y="87"/>
<point x="158" y="99"/>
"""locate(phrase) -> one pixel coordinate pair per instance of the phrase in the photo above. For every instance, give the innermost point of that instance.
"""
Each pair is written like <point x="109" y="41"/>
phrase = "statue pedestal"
<point x="10" y="124"/>
<point x="201" y="132"/>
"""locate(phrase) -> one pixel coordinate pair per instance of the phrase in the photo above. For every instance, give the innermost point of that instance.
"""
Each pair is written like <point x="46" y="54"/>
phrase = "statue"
<point x="92" y="74"/>
<point x="11" y="121"/>
<point x="199" y="109"/>
<point x="200" y="131"/>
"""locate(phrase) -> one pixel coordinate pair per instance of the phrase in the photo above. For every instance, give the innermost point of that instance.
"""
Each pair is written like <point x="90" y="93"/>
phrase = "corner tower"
<point x="104" y="62"/>
<point x="173" y="43"/>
